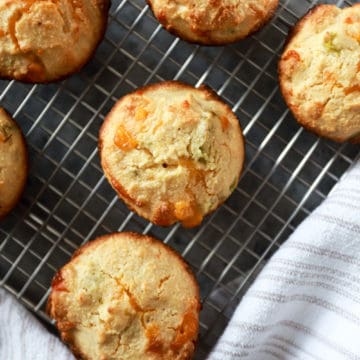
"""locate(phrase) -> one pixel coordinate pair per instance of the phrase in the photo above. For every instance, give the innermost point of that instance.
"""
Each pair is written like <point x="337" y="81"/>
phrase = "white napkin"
<point x="22" y="337"/>
<point x="305" y="304"/>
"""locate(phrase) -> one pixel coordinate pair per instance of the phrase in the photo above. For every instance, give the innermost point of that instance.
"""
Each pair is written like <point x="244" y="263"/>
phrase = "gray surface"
<point x="67" y="200"/>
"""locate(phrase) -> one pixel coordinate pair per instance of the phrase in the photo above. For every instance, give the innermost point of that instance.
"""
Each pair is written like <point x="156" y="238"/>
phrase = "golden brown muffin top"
<point x="213" y="21"/>
<point x="126" y="296"/>
<point x="320" y="72"/>
<point x="172" y="152"/>
<point x="46" y="40"/>
<point x="13" y="163"/>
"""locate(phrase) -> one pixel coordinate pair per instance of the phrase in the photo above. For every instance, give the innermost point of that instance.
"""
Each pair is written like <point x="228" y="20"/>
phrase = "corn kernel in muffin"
<point x="319" y="72"/>
<point x="172" y="152"/>
<point x="126" y="296"/>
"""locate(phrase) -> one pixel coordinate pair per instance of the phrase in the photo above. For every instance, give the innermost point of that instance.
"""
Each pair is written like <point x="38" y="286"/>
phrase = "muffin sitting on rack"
<point x="43" y="41"/>
<point x="172" y="152"/>
<point x="210" y="22"/>
<point x="126" y="296"/>
<point x="320" y="72"/>
<point x="13" y="163"/>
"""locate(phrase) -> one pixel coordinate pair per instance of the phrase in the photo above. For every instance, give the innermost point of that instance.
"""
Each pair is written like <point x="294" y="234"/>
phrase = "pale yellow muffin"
<point x="126" y="296"/>
<point x="319" y="72"/>
<point x="172" y="152"/>
<point x="13" y="163"/>
<point x="213" y="22"/>
<point x="46" y="40"/>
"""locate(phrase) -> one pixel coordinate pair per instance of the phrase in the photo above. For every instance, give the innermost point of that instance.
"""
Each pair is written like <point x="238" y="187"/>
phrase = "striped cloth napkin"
<point x="305" y="304"/>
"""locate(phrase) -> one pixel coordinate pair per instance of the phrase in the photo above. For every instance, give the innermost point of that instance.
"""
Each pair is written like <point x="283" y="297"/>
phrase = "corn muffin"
<point x="319" y="72"/>
<point x="213" y="22"/>
<point x="44" y="40"/>
<point x="126" y="296"/>
<point x="13" y="163"/>
<point x="172" y="152"/>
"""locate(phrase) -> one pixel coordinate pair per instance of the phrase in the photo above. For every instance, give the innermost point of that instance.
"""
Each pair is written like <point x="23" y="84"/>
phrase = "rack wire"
<point x="68" y="201"/>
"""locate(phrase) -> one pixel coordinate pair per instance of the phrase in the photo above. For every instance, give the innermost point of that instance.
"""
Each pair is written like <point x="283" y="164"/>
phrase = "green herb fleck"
<point x="329" y="42"/>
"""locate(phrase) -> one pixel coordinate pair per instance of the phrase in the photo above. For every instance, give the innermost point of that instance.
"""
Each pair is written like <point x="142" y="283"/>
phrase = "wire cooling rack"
<point x="68" y="201"/>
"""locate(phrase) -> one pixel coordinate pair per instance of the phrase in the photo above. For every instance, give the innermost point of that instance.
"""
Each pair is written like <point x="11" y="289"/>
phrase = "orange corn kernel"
<point x="187" y="213"/>
<point x="193" y="221"/>
<point x="183" y="210"/>
<point x="141" y="114"/>
<point x="58" y="283"/>
<point x="186" y="104"/>
<point x="124" y="140"/>
<point x="154" y="340"/>
<point x="224" y="122"/>
<point x="352" y="89"/>
<point x="186" y="332"/>
<point x="3" y="137"/>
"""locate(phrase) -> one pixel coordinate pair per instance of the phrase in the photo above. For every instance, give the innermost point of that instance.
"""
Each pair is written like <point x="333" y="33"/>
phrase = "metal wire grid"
<point x="68" y="201"/>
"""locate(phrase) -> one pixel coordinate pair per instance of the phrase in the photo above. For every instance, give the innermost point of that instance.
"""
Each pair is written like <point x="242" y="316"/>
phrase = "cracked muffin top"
<point x="213" y="22"/>
<point x="46" y="40"/>
<point x="319" y="72"/>
<point x="13" y="163"/>
<point x="172" y="152"/>
<point x="126" y="296"/>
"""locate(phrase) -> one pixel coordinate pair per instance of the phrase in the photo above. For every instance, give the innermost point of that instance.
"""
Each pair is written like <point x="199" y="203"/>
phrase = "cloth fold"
<point x="22" y="337"/>
<point x="305" y="303"/>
